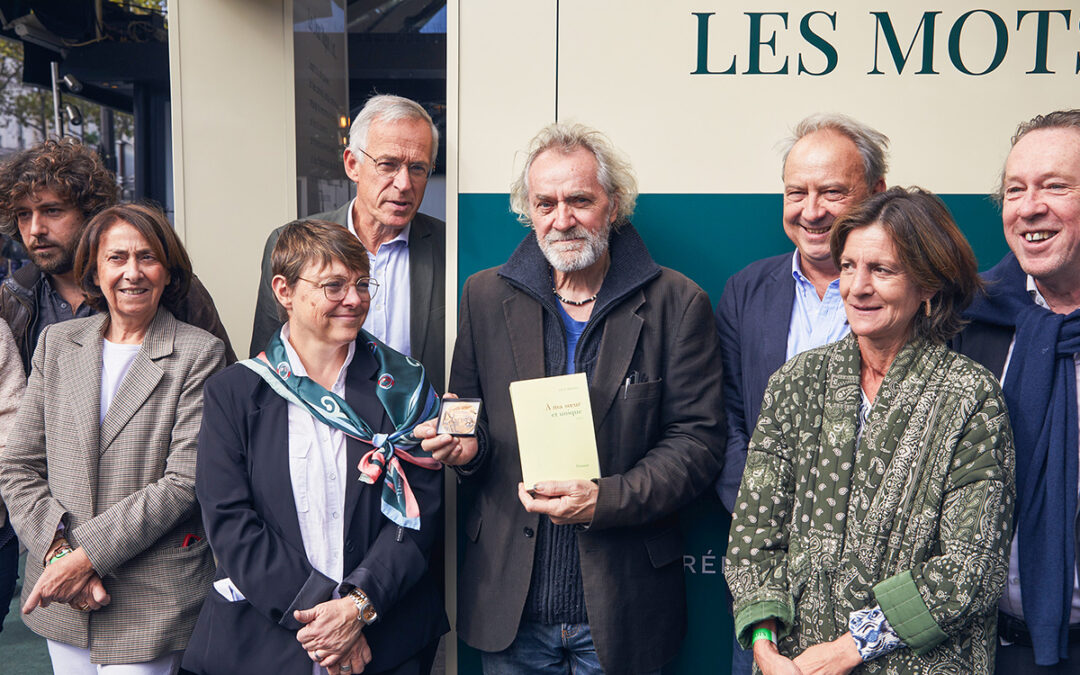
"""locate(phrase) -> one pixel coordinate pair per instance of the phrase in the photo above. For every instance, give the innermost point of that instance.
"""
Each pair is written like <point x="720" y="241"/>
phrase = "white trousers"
<point x="68" y="660"/>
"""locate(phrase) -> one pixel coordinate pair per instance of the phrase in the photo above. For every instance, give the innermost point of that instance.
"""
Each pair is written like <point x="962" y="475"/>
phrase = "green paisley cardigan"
<point x="918" y="518"/>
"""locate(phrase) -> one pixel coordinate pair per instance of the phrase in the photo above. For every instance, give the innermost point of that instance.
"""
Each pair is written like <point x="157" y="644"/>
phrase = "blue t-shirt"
<point x="573" y="330"/>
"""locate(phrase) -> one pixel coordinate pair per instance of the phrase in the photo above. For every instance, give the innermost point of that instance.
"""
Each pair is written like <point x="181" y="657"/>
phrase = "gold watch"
<point x="365" y="611"/>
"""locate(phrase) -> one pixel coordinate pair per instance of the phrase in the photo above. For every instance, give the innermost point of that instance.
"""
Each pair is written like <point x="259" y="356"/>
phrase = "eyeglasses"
<point x="388" y="167"/>
<point x="335" y="290"/>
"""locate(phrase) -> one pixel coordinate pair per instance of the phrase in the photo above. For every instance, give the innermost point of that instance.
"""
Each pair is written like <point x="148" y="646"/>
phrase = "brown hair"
<point x="315" y="241"/>
<point x="152" y="225"/>
<point x="67" y="167"/>
<point x="931" y="248"/>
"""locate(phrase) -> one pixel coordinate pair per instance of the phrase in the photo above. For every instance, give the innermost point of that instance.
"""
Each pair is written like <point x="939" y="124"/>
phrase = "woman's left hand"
<point x="838" y="657"/>
<point x="60" y="581"/>
<point x="331" y="630"/>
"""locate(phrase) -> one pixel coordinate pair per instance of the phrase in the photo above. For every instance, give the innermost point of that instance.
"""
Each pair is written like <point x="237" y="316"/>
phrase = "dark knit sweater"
<point x="556" y="594"/>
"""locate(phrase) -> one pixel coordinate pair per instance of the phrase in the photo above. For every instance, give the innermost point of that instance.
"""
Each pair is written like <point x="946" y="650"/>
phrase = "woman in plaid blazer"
<point x="99" y="472"/>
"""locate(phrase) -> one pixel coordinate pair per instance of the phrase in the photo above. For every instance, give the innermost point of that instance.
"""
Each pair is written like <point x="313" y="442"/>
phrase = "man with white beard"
<point x="582" y="576"/>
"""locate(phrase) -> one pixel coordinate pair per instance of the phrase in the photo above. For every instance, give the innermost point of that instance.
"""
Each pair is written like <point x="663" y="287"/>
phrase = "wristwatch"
<point x="365" y="611"/>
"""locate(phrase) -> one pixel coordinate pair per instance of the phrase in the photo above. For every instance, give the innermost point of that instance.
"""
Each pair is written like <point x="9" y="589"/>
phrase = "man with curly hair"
<point x="47" y="195"/>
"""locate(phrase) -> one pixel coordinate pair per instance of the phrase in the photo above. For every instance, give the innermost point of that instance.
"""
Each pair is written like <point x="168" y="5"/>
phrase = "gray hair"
<point x="613" y="171"/>
<point x="871" y="144"/>
<point x="388" y="108"/>
<point x="1059" y="119"/>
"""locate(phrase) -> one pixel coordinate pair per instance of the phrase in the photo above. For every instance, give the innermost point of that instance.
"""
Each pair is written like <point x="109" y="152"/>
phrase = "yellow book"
<point x="555" y="432"/>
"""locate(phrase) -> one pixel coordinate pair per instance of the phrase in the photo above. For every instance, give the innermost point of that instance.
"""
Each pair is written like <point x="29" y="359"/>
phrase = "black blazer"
<point x="753" y="318"/>
<point x="427" y="293"/>
<point x="244" y="487"/>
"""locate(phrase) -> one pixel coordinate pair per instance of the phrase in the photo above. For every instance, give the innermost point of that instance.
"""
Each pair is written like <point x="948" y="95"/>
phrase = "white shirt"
<point x="317" y="468"/>
<point x="1011" y="602"/>
<point x="116" y="360"/>
<point x="391" y="309"/>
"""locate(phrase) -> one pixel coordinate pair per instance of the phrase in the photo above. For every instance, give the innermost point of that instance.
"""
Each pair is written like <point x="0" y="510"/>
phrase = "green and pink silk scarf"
<point x="405" y="394"/>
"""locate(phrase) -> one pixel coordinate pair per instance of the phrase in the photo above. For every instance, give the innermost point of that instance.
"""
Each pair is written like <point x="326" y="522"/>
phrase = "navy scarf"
<point x="1040" y="391"/>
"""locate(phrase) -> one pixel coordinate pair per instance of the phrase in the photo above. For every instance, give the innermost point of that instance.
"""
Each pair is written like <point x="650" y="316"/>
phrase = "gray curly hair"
<point x="613" y="170"/>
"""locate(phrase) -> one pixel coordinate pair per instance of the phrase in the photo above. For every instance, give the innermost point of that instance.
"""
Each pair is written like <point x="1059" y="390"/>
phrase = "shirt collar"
<point x="298" y="366"/>
<point x="1035" y="294"/>
<point x="800" y="278"/>
<point x="402" y="237"/>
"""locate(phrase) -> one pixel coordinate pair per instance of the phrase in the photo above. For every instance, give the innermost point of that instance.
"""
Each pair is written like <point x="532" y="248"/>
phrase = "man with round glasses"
<point x="391" y="155"/>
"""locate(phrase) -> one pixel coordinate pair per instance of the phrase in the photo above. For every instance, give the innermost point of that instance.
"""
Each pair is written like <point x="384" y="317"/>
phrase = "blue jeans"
<point x="742" y="660"/>
<point x="546" y="649"/>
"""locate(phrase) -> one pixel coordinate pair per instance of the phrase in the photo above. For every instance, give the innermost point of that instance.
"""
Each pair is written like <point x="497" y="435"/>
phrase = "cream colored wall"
<point x="624" y="66"/>
<point x="234" y="159"/>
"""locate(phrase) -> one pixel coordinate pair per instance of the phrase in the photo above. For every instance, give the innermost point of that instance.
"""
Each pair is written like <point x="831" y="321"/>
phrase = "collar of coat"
<point x="157" y="343"/>
<point x="631" y="268"/>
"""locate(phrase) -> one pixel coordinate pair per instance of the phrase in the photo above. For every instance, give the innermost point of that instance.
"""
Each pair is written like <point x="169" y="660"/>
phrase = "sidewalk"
<point x="21" y="652"/>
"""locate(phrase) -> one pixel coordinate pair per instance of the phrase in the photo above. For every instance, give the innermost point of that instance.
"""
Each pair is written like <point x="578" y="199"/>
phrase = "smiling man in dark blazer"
<point x="391" y="153"/>
<point x="781" y="306"/>
<point x="581" y="575"/>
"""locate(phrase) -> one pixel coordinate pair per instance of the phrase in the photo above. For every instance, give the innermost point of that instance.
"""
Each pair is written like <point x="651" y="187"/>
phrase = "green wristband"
<point x="60" y="553"/>
<point x="763" y="634"/>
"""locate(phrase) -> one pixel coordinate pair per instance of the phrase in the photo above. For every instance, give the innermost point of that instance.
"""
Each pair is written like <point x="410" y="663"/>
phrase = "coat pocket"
<point x="665" y="548"/>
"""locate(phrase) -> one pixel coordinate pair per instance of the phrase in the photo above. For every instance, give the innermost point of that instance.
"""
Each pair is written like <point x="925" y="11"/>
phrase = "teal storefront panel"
<point x="708" y="238"/>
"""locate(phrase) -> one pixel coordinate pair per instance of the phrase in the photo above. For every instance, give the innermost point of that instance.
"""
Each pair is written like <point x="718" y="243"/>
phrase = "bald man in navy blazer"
<point x="778" y="307"/>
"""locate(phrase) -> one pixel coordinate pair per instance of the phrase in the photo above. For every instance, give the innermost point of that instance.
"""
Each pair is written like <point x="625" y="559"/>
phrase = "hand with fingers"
<point x="566" y="502"/>
<point x="355" y="661"/>
<point x="92" y="596"/>
<point x="450" y="450"/>
<point x="62" y="579"/>
<point x="330" y="631"/>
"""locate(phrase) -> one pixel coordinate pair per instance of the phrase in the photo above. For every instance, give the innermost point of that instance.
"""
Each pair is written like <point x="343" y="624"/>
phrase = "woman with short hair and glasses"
<point x="320" y="505"/>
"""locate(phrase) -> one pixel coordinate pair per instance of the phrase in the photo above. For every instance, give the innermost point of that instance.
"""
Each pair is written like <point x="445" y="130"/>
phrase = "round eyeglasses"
<point x="336" y="289"/>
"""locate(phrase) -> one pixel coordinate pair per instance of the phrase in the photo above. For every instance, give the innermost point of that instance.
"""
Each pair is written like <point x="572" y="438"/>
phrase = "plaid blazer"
<point x="124" y="488"/>
<point x="12" y="384"/>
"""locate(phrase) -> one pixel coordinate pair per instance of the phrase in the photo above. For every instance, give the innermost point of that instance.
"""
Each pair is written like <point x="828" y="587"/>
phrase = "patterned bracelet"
<point x="60" y="553"/>
<point x="873" y="635"/>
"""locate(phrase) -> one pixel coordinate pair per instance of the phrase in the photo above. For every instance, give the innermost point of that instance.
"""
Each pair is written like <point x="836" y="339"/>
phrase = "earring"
<point x="927" y="307"/>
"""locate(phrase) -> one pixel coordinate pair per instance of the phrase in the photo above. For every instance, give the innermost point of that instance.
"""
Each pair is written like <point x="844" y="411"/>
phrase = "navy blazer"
<point x="753" y="317"/>
<point x="244" y="486"/>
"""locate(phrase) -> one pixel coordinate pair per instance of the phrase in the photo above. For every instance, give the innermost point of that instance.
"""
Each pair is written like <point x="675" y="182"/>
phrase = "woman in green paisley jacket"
<point x="872" y="526"/>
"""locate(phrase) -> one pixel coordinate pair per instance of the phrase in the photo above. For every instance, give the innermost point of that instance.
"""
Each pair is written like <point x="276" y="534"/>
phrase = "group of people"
<point x="895" y="436"/>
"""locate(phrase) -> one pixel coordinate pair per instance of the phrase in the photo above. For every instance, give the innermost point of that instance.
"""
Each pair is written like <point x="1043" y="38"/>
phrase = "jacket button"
<point x="529" y="532"/>
<point x="349" y="546"/>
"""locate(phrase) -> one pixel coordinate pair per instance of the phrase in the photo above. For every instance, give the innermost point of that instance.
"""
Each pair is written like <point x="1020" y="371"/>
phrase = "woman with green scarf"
<point x="319" y="504"/>
<point x="872" y="527"/>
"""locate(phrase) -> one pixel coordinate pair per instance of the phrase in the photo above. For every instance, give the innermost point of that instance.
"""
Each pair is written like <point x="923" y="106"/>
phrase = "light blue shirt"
<point x="814" y="321"/>
<point x="390" y="311"/>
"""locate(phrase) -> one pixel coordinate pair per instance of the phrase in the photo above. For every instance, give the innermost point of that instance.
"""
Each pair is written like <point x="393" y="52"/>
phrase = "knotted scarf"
<point x="1040" y="390"/>
<point x="405" y="394"/>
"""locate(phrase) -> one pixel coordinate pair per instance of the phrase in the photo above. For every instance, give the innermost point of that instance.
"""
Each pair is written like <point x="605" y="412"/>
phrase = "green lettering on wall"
<point x="821" y="43"/>
<point x="885" y="28"/>
<point x="1001" y="41"/>
<point x="703" y="47"/>
<point x="754" y="67"/>
<point x="1042" y="35"/>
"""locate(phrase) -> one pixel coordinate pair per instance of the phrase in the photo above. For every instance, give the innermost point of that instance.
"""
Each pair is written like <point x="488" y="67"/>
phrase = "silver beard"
<point x="591" y="249"/>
